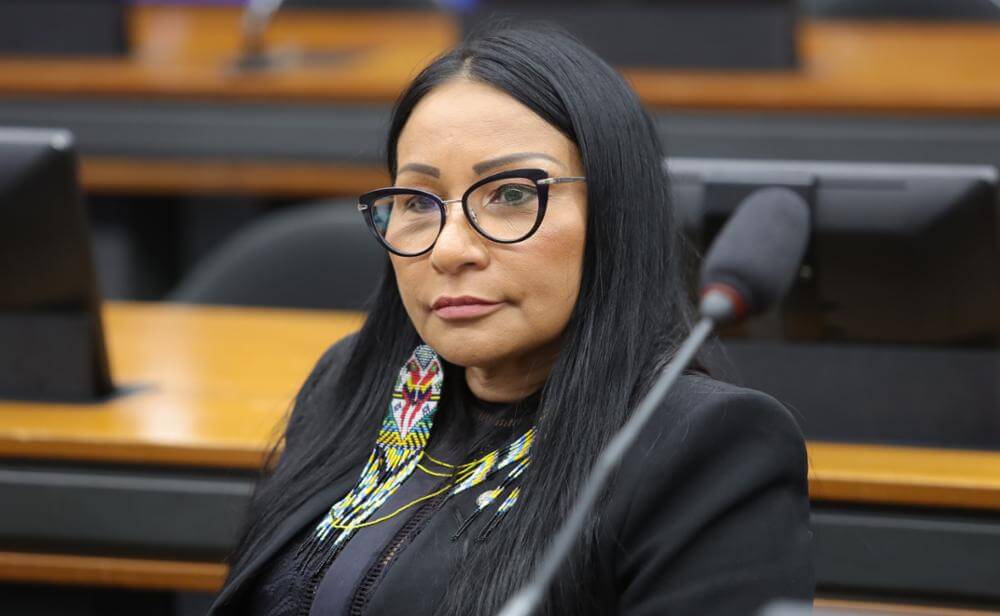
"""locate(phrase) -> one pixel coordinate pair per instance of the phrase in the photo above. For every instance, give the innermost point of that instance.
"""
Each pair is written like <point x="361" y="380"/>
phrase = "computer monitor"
<point x="892" y="332"/>
<point x="689" y="34"/>
<point x="50" y="323"/>
<point x="63" y="27"/>
<point x="899" y="253"/>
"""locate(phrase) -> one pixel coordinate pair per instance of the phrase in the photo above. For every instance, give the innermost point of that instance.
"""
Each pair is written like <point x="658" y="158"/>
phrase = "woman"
<point x="533" y="292"/>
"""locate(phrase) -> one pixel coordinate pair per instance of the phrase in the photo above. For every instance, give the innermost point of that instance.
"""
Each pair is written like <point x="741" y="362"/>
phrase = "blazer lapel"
<point x="308" y="511"/>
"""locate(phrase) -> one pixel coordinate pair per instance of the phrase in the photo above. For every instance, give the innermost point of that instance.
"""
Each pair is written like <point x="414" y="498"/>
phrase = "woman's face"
<point x="460" y="132"/>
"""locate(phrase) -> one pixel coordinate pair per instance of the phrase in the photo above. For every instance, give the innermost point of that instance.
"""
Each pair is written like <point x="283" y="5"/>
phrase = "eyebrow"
<point x="493" y="163"/>
<point x="420" y="168"/>
<point x="483" y="166"/>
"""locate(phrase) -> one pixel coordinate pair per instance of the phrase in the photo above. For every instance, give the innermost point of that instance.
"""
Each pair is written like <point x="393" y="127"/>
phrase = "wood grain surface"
<point x="845" y="66"/>
<point x="134" y="573"/>
<point x="210" y="386"/>
<point x="203" y="386"/>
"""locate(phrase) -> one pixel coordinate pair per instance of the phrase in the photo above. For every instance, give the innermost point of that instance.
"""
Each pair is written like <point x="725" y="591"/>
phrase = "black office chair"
<point x="314" y="256"/>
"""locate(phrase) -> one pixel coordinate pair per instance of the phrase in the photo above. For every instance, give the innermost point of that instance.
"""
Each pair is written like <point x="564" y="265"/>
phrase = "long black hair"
<point x="632" y="312"/>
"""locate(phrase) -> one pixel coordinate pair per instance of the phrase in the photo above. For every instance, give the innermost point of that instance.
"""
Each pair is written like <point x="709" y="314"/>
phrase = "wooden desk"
<point x="184" y="54"/>
<point x="212" y="384"/>
<point x="208" y="387"/>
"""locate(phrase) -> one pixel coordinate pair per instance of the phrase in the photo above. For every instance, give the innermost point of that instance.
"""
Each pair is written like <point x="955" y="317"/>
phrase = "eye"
<point x="514" y="194"/>
<point x="419" y="204"/>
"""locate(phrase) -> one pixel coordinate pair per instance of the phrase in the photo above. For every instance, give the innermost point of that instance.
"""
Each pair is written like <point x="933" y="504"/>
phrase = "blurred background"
<point x="182" y="145"/>
<point x="218" y="147"/>
<point x="185" y="137"/>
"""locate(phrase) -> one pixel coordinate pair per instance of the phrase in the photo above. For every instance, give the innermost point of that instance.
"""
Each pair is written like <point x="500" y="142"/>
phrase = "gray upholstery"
<point x="315" y="256"/>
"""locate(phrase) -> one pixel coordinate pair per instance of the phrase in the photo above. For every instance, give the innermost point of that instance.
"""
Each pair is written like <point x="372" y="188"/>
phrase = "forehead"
<point x="462" y="122"/>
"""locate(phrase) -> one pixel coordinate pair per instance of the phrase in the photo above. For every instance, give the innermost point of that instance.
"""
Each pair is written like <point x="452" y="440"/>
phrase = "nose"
<point x="458" y="246"/>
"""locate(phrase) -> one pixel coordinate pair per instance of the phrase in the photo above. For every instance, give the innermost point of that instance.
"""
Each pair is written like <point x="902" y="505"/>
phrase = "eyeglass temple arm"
<point x="563" y="180"/>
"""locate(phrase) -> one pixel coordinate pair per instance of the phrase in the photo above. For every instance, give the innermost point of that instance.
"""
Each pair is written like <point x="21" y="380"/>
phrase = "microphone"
<point x="255" y="57"/>
<point x="256" y="18"/>
<point x="755" y="258"/>
<point x="749" y="267"/>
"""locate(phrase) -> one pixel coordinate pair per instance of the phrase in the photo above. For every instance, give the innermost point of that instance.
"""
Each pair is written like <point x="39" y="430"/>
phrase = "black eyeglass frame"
<point x="541" y="179"/>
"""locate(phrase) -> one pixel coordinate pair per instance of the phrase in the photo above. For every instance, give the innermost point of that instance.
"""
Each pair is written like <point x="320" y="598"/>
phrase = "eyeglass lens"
<point x="505" y="210"/>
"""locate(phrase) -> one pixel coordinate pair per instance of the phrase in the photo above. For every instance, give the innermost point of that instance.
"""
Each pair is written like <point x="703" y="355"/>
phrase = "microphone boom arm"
<point x="749" y="267"/>
<point x="526" y="600"/>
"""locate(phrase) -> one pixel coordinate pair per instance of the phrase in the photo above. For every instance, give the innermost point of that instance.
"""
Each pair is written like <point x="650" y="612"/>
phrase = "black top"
<point x="708" y="515"/>
<point x="464" y="430"/>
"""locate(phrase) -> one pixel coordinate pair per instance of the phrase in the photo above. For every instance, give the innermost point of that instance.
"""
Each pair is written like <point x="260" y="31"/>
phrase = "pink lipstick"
<point x="464" y="307"/>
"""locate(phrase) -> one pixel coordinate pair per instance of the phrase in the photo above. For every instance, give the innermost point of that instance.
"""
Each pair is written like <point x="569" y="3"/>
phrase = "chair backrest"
<point x="314" y="256"/>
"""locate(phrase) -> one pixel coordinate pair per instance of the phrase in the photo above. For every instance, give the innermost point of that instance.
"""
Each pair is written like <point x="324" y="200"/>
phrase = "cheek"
<point x="551" y="271"/>
<point x="411" y="274"/>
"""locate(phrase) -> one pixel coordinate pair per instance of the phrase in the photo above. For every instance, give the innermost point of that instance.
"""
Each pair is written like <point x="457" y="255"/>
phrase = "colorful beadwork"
<point x="496" y="461"/>
<point x="488" y="497"/>
<point x="504" y="507"/>
<point x="398" y="448"/>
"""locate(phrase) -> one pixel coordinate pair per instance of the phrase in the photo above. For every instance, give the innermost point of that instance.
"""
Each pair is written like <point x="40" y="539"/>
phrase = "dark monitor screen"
<point x="50" y="323"/>
<point x="891" y="334"/>
<point x="63" y="27"/>
<point x="693" y="34"/>
<point x="899" y="253"/>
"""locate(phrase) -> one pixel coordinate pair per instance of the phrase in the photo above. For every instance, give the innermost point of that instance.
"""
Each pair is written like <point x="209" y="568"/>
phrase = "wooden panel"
<point x="112" y="572"/>
<point x="208" y="577"/>
<point x="187" y="52"/>
<point x="904" y="475"/>
<point x="110" y="175"/>
<point x="868" y="607"/>
<point x="852" y="67"/>
<point x="209" y="386"/>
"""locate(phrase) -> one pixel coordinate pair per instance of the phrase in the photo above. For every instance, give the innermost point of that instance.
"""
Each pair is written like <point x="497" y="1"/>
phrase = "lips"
<point x="465" y="300"/>
<point x="464" y="307"/>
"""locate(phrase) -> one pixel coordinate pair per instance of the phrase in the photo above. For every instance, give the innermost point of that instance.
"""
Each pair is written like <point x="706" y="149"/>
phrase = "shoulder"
<point x="703" y="412"/>
<point x="712" y="441"/>
<point x="710" y="512"/>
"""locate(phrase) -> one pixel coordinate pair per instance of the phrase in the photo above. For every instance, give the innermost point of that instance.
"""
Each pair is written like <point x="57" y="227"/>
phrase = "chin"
<point x="469" y="346"/>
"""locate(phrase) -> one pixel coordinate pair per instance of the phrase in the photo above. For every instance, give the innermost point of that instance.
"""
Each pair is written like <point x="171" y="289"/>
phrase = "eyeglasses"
<point x="507" y="207"/>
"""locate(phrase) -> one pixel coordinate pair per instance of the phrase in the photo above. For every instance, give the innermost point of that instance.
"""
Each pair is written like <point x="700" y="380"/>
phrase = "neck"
<point x="511" y="379"/>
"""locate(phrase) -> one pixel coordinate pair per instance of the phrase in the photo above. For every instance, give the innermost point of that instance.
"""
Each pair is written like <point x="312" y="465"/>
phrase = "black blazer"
<point x="708" y="515"/>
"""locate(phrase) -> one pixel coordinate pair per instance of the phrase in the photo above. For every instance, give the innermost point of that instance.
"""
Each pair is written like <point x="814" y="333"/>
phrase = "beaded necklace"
<point x="400" y="448"/>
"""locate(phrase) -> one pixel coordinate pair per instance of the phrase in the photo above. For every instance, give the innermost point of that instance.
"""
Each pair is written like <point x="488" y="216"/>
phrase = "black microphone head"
<point x="756" y="257"/>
